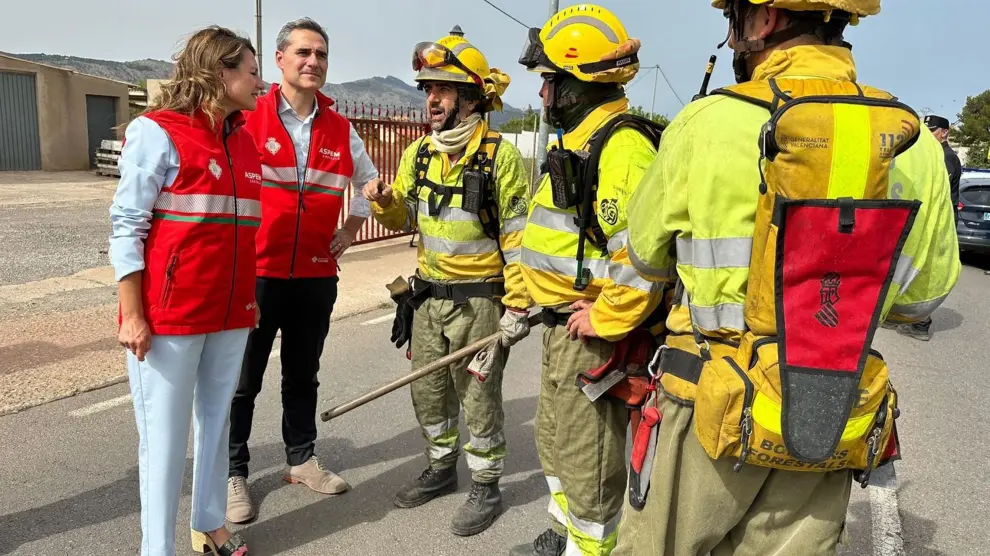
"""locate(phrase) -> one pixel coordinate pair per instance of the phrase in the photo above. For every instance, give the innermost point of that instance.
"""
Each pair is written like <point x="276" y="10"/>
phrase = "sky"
<point x="916" y="49"/>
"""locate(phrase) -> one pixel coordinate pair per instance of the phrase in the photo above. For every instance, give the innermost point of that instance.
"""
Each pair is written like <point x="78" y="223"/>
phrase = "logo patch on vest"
<point x="215" y="168"/>
<point x="518" y="205"/>
<point x="828" y="315"/>
<point x="609" y="211"/>
<point x="272" y="146"/>
<point x="321" y="260"/>
<point x="332" y="155"/>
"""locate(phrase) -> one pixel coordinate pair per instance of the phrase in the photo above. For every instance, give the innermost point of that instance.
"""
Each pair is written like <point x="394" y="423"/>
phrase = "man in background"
<point x="939" y="127"/>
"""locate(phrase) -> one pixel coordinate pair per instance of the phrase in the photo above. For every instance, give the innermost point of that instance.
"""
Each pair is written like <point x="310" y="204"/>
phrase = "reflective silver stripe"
<point x="905" y="273"/>
<point x="557" y="512"/>
<point x="731" y="252"/>
<point x="512" y="255"/>
<point x="553" y="219"/>
<point x="327" y="179"/>
<point x="587" y="20"/>
<point x="598" y="531"/>
<point x="566" y="266"/>
<point x="571" y="548"/>
<point x="461" y="48"/>
<point x="440" y="452"/>
<point x="207" y="204"/>
<point x="618" y="241"/>
<point x="627" y="276"/>
<point x="484" y="444"/>
<point x="648" y="270"/>
<point x="725" y="315"/>
<point x="920" y="310"/>
<point x="435" y="431"/>
<point x="448" y="214"/>
<point x="514" y="224"/>
<point x="553" y="483"/>
<point x="282" y="174"/>
<point x="477" y="463"/>
<point x="439" y="74"/>
<point x="451" y="247"/>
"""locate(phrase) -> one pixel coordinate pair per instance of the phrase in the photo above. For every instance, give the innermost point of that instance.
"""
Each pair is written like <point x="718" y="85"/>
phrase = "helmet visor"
<point x="532" y="53"/>
<point x="432" y="55"/>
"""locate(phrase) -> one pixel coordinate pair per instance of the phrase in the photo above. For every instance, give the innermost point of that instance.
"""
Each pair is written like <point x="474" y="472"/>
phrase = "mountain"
<point x="131" y="72"/>
<point x="386" y="91"/>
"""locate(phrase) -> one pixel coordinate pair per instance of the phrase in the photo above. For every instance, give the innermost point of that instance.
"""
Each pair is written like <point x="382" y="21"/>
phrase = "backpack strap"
<point x="596" y="144"/>
<point x="440" y="195"/>
<point x="484" y="161"/>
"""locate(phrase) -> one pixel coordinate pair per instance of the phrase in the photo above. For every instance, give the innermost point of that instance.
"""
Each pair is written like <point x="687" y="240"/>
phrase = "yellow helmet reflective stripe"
<point x="586" y="41"/>
<point x="861" y="8"/>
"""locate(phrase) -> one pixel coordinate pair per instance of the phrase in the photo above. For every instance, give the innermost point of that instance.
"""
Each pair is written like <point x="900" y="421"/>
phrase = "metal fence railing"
<point x="386" y="131"/>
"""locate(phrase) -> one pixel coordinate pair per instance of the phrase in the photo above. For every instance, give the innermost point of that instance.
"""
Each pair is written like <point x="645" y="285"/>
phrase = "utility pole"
<point x="654" y="103"/>
<point x="257" y="33"/>
<point x="541" y="147"/>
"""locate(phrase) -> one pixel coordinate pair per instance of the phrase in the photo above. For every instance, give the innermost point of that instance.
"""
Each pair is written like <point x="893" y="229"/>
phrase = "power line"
<point x="507" y="14"/>
<point x="671" y="87"/>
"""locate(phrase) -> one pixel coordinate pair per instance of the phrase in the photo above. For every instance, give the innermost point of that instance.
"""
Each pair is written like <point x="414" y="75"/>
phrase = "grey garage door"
<point x="20" y="142"/>
<point x="101" y="117"/>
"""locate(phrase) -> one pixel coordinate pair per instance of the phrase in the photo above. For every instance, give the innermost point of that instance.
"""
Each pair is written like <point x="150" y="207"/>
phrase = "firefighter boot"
<point x="549" y="543"/>
<point x="483" y="505"/>
<point x="429" y="485"/>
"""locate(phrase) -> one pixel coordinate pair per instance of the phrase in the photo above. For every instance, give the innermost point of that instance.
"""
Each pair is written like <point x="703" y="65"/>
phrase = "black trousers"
<point x="301" y="308"/>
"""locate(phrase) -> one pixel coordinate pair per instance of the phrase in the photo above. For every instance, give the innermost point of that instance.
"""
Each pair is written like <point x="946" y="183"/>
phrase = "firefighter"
<point x="706" y="206"/>
<point x="466" y="192"/>
<point x="581" y="443"/>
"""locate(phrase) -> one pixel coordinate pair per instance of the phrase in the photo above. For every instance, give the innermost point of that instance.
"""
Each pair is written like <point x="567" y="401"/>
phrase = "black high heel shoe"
<point x="204" y="544"/>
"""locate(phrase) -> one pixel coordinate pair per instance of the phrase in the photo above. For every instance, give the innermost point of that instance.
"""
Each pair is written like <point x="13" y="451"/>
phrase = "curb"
<point x="123" y="377"/>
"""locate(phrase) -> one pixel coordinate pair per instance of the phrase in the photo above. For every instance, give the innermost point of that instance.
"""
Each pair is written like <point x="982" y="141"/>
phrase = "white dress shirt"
<point x="300" y="130"/>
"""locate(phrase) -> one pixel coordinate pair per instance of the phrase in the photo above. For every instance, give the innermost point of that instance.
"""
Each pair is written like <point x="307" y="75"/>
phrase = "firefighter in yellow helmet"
<point x="466" y="191"/>
<point x="577" y="268"/>
<point x="771" y="402"/>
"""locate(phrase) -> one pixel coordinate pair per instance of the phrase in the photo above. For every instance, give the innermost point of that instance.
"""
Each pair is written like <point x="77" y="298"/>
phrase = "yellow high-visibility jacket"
<point x="696" y="206"/>
<point x="453" y="246"/>
<point x="622" y="299"/>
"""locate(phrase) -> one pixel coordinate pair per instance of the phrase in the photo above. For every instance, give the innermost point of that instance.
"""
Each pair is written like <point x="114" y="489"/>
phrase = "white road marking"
<point x="886" y="520"/>
<point x="102" y="406"/>
<point x="378" y="320"/>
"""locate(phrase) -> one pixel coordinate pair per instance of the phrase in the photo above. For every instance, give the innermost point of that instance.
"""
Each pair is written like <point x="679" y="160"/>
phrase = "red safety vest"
<point x="199" y="274"/>
<point x="298" y="222"/>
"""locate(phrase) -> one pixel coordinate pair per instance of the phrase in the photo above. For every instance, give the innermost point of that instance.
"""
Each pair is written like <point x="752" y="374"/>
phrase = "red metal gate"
<point x="386" y="132"/>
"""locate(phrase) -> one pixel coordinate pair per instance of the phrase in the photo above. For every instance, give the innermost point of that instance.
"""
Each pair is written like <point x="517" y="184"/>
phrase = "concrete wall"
<point x="62" y="111"/>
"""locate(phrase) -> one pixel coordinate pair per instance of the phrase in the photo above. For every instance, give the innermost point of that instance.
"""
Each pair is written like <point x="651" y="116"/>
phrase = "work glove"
<point x="484" y="361"/>
<point x="400" y="292"/>
<point x="514" y="325"/>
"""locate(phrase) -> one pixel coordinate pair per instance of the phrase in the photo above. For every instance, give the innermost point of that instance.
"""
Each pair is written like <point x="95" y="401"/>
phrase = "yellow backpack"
<point x="804" y="391"/>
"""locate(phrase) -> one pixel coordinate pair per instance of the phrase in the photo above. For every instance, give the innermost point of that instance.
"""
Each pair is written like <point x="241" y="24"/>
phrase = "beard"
<point x="442" y="119"/>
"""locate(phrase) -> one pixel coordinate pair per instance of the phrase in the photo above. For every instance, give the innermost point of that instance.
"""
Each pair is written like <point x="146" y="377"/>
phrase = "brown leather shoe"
<point x="313" y="475"/>
<point x="240" y="509"/>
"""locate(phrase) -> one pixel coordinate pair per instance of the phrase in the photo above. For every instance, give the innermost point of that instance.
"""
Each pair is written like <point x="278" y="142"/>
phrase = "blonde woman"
<point x="184" y="219"/>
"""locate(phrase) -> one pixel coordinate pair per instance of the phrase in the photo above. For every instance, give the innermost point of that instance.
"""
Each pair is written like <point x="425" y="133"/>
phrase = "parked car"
<point x="973" y="211"/>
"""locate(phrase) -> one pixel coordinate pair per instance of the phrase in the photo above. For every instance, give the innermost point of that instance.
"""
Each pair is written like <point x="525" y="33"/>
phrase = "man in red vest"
<point x="310" y="154"/>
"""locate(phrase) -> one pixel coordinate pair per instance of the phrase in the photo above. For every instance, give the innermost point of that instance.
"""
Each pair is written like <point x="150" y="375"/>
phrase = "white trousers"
<point x="180" y="378"/>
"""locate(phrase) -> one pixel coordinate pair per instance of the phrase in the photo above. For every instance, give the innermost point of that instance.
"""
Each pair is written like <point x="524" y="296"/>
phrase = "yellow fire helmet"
<point x="456" y="60"/>
<point x="858" y="8"/>
<point x="586" y="41"/>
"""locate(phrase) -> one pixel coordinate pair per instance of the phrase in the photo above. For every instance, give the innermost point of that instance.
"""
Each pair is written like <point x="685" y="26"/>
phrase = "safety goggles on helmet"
<point x="534" y="57"/>
<point x="432" y="55"/>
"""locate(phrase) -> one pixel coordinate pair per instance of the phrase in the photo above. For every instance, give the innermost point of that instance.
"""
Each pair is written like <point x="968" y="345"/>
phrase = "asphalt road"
<point x="70" y="475"/>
